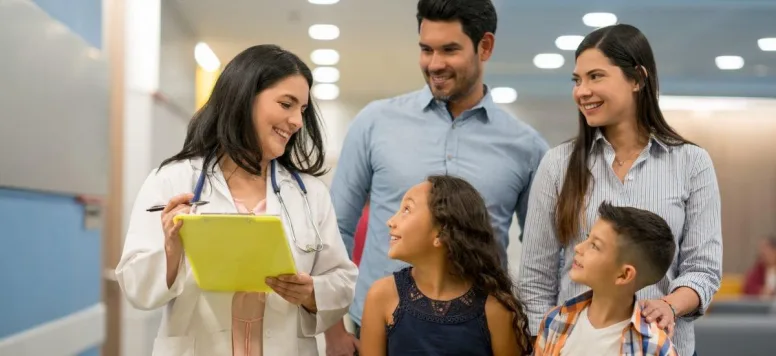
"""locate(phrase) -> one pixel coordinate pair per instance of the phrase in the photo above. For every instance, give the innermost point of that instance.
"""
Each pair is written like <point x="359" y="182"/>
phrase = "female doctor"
<point x="255" y="147"/>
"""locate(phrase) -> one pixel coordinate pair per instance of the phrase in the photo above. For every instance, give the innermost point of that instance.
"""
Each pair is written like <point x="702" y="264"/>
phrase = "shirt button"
<point x="268" y="333"/>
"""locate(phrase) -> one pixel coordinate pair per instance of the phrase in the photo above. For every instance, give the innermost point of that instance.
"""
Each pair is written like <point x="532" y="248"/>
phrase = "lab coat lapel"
<point x="215" y="189"/>
<point x="297" y="213"/>
<point x="274" y="301"/>
<point x="273" y="204"/>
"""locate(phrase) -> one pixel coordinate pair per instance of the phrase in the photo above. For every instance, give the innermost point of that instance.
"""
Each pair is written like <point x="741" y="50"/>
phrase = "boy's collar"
<point x="577" y="304"/>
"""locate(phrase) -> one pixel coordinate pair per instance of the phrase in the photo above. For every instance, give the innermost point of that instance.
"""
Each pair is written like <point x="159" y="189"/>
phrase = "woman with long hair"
<point x="256" y="147"/>
<point x="456" y="298"/>
<point x="626" y="153"/>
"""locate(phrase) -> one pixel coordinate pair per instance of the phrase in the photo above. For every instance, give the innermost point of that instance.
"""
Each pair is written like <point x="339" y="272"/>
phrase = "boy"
<point x="627" y="249"/>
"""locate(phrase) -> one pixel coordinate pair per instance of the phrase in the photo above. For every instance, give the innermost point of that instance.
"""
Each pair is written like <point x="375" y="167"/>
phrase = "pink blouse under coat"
<point x="248" y="308"/>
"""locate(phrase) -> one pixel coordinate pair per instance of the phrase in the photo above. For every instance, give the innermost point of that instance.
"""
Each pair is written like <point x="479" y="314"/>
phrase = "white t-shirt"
<point x="585" y="340"/>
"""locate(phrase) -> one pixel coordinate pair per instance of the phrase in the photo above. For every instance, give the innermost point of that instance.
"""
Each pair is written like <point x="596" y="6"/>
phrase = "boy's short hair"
<point x="644" y="240"/>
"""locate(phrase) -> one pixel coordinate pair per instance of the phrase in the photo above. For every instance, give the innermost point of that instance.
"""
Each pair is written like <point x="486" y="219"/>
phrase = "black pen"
<point x="161" y="207"/>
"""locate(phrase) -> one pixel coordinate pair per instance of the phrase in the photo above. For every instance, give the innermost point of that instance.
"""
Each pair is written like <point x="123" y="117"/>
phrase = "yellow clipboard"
<point x="235" y="253"/>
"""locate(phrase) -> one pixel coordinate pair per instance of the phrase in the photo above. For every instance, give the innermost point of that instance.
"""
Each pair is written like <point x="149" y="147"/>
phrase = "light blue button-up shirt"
<point x="394" y="144"/>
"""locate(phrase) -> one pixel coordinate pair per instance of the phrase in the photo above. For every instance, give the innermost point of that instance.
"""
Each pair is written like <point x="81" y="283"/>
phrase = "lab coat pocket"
<point x="278" y="304"/>
<point x="174" y="346"/>
<point x="216" y="344"/>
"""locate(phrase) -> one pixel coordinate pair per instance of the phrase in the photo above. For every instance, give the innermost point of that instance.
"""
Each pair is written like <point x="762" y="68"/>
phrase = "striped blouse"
<point x="676" y="182"/>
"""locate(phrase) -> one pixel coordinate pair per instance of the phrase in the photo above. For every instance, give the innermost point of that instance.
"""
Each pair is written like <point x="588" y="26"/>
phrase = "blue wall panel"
<point x="84" y="17"/>
<point x="50" y="264"/>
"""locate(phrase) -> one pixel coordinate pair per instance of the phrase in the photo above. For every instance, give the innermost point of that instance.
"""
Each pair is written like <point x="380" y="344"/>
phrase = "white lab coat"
<point x="198" y="323"/>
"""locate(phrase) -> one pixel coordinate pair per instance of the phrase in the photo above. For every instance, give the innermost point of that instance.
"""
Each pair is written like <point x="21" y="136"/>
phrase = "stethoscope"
<point x="308" y="248"/>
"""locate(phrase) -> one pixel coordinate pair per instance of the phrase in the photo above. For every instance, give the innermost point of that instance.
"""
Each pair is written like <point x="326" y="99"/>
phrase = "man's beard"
<point x="460" y="88"/>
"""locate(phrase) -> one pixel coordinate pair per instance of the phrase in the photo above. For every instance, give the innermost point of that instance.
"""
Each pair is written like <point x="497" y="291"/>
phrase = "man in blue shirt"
<point x="451" y="126"/>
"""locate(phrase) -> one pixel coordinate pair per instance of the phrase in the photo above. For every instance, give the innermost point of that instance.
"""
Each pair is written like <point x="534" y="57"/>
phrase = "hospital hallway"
<point x="95" y="94"/>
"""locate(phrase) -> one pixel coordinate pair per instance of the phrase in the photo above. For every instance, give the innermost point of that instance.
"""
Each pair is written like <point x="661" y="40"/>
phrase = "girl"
<point x="626" y="153"/>
<point x="456" y="298"/>
<point x="259" y="116"/>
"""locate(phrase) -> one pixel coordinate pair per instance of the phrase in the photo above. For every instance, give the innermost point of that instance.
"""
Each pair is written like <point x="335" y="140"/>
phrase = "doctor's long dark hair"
<point x="627" y="48"/>
<point x="224" y="125"/>
<point x="459" y="212"/>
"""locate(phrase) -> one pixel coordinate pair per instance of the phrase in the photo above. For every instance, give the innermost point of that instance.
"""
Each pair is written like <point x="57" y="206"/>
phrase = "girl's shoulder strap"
<point x="404" y="282"/>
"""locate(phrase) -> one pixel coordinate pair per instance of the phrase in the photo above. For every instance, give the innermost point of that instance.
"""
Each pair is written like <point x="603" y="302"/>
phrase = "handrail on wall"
<point x="173" y="106"/>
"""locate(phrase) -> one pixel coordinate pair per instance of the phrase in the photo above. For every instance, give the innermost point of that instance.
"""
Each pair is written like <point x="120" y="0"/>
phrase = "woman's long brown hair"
<point x="460" y="214"/>
<point x="627" y="48"/>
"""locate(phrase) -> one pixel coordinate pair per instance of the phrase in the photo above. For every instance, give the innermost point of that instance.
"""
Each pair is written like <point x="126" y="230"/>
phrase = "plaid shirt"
<point x="638" y="338"/>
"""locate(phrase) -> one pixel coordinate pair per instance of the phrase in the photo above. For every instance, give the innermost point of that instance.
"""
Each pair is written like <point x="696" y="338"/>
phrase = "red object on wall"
<point x="360" y="235"/>
<point x="755" y="279"/>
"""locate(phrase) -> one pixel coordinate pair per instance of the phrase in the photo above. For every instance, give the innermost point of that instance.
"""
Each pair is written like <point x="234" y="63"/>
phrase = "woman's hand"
<point x="296" y="289"/>
<point x="173" y="247"/>
<point x="658" y="310"/>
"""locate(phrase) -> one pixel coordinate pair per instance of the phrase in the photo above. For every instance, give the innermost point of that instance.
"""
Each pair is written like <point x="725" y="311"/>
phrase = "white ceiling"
<point x="378" y="40"/>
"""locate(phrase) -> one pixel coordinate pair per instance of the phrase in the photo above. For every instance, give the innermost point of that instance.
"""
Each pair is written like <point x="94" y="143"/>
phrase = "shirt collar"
<point x="426" y="99"/>
<point x="577" y="304"/>
<point x="599" y="137"/>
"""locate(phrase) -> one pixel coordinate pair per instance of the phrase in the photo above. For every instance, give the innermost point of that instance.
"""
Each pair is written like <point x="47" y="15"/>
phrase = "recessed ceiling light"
<point x="326" y="74"/>
<point x="325" y="91"/>
<point x="729" y="62"/>
<point x="568" y="43"/>
<point x="206" y="58"/>
<point x="767" y="44"/>
<point x="548" y="60"/>
<point x="503" y="95"/>
<point x="323" y="2"/>
<point x="599" y="19"/>
<point x="323" y="32"/>
<point x="325" y="57"/>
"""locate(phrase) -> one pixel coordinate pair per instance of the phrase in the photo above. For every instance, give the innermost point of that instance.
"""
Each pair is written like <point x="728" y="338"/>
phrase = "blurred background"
<point x="95" y="93"/>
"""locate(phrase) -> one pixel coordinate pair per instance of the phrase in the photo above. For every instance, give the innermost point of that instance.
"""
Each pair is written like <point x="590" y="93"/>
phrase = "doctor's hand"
<point x="339" y="342"/>
<point x="177" y="205"/>
<point x="173" y="247"/>
<point x="296" y="289"/>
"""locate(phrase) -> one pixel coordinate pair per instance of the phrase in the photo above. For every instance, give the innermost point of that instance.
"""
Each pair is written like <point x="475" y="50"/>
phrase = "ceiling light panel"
<point x="729" y="62"/>
<point x="548" y="60"/>
<point x="503" y="95"/>
<point x="767" y="44"/>
<point x="326" y="74"/>
<point x="323" y="32"/>
<point x="568" y="43"/>
<point x="599" y="19"/>
<point x="325" y="57"/>
<point x="206" y="58"/>
<point x="325" y="91"/>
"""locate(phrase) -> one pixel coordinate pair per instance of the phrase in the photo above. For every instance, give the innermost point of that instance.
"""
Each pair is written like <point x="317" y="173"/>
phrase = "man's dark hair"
<point x="477" y="17"/>
<point x="644" y="239"/>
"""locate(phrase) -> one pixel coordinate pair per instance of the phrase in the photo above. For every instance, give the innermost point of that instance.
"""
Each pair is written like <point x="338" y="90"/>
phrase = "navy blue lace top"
<point x="422" y="326"/>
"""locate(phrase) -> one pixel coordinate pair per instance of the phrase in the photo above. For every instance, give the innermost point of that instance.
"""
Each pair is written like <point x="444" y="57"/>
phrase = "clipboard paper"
<point x="235" y="253"/>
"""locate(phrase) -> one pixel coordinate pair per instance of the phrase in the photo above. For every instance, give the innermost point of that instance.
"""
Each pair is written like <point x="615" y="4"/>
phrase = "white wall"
<point x="336" y="116"/>
<point x="159" y="103"/>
